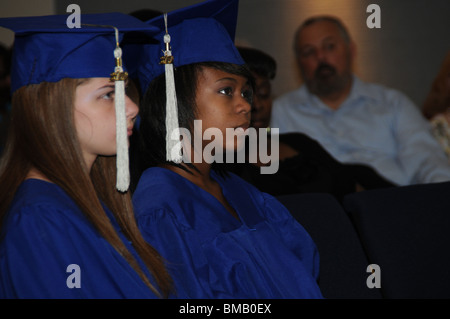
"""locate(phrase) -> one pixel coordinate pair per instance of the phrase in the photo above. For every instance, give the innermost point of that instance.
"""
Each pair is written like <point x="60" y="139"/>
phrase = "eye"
<point x="307" y="52"/>
<point x="329" y="46"/>
<point x="108" y="96"/>
<point x="226" y="91"/>
<point x="263" y="92"/>
<point x="248" y="95"/>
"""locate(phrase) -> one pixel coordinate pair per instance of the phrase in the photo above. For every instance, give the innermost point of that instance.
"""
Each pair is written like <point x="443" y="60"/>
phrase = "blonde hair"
<point x="42" y="135"/>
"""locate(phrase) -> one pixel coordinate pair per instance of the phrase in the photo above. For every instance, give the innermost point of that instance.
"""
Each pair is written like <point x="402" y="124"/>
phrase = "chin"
<point x="259" y="124"/>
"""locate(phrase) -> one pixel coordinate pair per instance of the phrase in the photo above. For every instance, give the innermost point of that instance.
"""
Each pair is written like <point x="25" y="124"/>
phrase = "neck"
<point x="200" y="175"/>
<point x="36" y="174"/>
<point x="202" y="179"/>
<point x="335" y="99"/>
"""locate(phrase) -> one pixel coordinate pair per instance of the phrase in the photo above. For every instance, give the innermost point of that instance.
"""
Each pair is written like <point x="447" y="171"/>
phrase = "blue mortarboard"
<point x="46" y="49"/>
<point x="198" y="33"/>
<point x="202" y="32"/>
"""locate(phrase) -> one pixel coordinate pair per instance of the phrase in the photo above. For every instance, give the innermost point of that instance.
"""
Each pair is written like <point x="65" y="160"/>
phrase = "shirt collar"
<point x="358" y="91"/>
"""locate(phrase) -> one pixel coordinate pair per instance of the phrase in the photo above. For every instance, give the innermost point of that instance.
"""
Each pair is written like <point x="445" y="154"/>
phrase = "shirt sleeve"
<point x="278" y="117"/>
<point x="47" y="254"/>
<point x="419" y="153"/>
<point x="441" y="131"/>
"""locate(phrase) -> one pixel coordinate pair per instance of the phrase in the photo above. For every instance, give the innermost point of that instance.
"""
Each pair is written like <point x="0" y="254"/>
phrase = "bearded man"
<point x="357" y="122"/>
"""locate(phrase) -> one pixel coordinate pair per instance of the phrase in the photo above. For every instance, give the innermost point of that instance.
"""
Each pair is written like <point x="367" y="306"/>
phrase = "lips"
<point x="325" y="70"/>
<point x="258" y="124"/>
<point x="130" y="130"/>
<point x="243" y="126"/>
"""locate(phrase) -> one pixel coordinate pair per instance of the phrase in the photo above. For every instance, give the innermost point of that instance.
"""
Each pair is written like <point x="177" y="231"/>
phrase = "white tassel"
<point x="119" y="77"/>
<point x="173" y="143"/>
<point x="122" y="160"/>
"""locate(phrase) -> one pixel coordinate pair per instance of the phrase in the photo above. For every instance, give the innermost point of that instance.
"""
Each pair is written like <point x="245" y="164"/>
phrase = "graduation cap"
<point x="47" y="50"/>
<point x="203" y="32"/>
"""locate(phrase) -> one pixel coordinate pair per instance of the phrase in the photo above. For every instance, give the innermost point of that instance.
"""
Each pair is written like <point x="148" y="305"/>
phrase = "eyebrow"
<point x="328" y="38"/>
<point x="226" y="79"/>
<point x="247" y="83"/>
<point x="107" y="86"/>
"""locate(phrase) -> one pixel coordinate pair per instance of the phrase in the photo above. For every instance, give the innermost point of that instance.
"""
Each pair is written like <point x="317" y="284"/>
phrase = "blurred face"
<point x="95" y="117"/>
<point x="262" y="102"/>
<point x="223" y="101"/>
<point x="325" y="58"/>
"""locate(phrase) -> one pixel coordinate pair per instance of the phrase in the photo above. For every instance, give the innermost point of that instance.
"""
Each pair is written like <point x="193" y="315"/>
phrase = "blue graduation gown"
<point x="211" y="254"/>
<point x="45" y="232"/>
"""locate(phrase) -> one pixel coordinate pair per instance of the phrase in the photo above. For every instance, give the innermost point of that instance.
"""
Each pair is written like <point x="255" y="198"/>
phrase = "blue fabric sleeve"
<point x="179" y="245"/>
<point x="41" y="244"/>
<point x="293" y="234"/>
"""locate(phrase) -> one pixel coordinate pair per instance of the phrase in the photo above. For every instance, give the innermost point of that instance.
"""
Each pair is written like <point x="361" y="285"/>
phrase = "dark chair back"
<point x="406" y="232"/>
<point x="343" y="262"/>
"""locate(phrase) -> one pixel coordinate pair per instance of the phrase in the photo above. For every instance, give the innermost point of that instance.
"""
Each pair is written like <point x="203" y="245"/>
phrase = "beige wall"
<point x="15" y="8"/>
<point x="405" y="53"/>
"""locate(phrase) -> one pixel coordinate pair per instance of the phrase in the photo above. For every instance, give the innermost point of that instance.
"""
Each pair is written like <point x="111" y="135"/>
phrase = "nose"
<point x="243" y="105"/>
<point x="131" y="108"/>
<point x="321" y="55"/>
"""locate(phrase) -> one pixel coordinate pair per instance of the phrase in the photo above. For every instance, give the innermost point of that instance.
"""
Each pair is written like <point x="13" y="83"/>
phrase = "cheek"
<point x="84" y="127"/>
<point x="267" y="106"/>
<point x="106" y="129"/>
<point x="342" y="61"/>
<point x="104" y="138"/>
<point x="308" y="67"/>
<point x="97" y="133"/>
<point x="212" y="118"/>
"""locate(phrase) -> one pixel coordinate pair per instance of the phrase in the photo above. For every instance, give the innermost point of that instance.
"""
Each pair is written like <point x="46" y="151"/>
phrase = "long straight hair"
<point x="42" y="135"/>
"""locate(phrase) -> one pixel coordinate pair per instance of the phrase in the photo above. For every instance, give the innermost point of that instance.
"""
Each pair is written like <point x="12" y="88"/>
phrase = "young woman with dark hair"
<point x="221" y="237"/>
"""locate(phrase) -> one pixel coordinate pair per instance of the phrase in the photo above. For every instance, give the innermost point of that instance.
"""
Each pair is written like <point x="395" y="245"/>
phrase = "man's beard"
<point x="326" y="81"/>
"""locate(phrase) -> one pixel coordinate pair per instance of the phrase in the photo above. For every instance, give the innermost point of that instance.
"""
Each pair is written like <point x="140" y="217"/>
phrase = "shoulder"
<point x="233" y="182"/>
<point x="47" y="198"/>
<point x="44" y="219"/>
<point x="239" y="189"/>
<point x="383" y="93"/>
<point x="288" y="98"/>
<point x="268" y="205"/>
<point x="164" y="196"/>
<point x="45" y="206"/>
<point x="157" y="184"/>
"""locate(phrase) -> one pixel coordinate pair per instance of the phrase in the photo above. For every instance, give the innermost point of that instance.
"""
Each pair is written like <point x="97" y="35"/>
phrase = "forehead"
<point x="211" y="74"/>
<point x="94" y="82"/>
<point x="261" y="80"/>
<point x="318" y="32"/>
